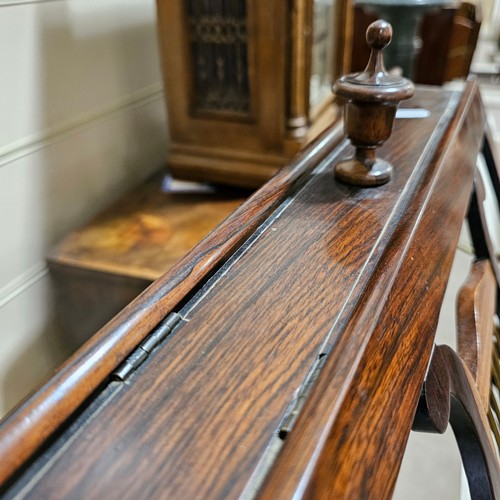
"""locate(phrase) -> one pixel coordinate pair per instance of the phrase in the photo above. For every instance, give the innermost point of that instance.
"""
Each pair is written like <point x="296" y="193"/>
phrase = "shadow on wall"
<point x="34" y="366"/>
<point x="40" y="351"/>
<point x="101" y="114"/>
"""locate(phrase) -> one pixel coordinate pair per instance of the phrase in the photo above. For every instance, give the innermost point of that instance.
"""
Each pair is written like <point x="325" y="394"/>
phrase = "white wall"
<point x="490" y="28"/>
<point x="82" y="119"/>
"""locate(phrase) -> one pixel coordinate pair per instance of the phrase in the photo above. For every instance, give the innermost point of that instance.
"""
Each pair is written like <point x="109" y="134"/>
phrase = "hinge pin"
<point x="140" y="354"/>
<point x="291" y="417"/>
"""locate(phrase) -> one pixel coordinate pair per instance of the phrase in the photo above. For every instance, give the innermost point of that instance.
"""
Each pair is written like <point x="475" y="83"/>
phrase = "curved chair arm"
<point x="450" y="395"/>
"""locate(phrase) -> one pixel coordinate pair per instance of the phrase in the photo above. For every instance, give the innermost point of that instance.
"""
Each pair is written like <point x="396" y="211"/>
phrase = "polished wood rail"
<point x="86" y="370"/>
<point x="303" y="330"/>
<point x="382" y="354"/>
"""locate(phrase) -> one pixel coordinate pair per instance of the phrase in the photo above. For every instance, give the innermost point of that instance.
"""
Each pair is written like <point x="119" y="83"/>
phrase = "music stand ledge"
<point x="291" y="343"/>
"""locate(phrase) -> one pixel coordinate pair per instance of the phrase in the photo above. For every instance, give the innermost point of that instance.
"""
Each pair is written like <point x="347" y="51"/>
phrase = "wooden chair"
<point x="457" y="385"/>
<point x="462" y="387"/>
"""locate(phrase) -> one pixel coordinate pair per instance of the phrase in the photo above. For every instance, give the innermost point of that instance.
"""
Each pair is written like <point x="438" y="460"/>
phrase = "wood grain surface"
<point x="29" y="425"/>
<point x="147" y="231"/>
<point x="333" y="271"/>
<point x="350" y="436"/>
<point x="476" y="302"/>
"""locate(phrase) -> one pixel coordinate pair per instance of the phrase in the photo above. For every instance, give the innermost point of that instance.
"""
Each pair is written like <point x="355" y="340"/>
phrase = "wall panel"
<point x="83" y="120"/>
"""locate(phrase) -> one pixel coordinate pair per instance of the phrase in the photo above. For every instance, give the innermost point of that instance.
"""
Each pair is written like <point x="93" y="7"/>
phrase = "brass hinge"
<point x="139" y="355"/>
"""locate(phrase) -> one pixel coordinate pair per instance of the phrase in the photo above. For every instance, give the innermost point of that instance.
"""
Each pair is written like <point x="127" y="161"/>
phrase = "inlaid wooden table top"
<point x="314" y="299"/>
<point x="146" y="232"/>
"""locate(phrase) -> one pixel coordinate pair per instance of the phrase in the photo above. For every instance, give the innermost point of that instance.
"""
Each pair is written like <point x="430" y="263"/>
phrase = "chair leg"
<point x="492" y="162"/>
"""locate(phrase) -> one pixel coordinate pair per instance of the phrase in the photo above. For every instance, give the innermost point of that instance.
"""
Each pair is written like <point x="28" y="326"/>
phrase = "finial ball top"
<point x="379" y="34"/>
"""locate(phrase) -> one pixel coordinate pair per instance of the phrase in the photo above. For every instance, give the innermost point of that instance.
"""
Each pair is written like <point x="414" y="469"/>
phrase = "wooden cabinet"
<point x="247" y="82"/>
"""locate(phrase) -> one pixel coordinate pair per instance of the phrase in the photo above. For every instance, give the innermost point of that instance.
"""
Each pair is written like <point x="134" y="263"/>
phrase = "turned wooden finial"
<point x="372" y="99"/>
